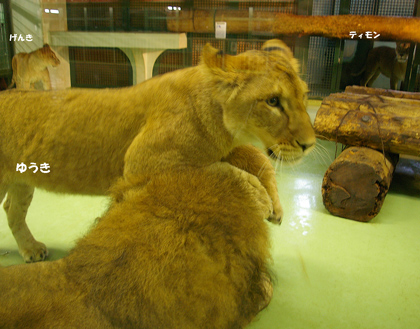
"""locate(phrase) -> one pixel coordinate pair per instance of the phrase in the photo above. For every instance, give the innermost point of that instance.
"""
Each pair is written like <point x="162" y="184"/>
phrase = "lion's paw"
<point x="261" y="196"/>
<point x="34" y="252"/>
<point x="277" y="215"/>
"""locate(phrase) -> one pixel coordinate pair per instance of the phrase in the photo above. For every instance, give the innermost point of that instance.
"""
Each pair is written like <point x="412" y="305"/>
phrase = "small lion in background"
<point x="33" y="67"/>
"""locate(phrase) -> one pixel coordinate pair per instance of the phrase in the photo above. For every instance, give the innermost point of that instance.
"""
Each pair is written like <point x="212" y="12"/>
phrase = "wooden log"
<point x="203" y="21"/>
<point x="337" y="26"/>
<point x="356" y="183"/>
<point x="371" y="119"/>
<point x="382" y="92"/>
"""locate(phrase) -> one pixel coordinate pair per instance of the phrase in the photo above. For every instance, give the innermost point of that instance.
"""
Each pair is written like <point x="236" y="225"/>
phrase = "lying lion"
<point x="190" y="118"/>
<point x="180" y="250"/>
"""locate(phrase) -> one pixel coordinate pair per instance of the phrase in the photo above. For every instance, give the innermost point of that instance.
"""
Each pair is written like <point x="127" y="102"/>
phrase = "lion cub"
<point x="186" y="249"/>
<point x="91" y="137"/>
<point x="31" y="68"/>
<point x="389" y="61"/>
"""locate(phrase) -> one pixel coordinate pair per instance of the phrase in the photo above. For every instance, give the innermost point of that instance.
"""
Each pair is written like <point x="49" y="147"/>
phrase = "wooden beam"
<point x="333" y="26"/>
<point x="340" y="26"/>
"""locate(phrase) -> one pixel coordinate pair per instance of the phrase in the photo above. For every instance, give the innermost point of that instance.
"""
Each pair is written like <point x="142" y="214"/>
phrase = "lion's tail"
<point x="360" y="72"/>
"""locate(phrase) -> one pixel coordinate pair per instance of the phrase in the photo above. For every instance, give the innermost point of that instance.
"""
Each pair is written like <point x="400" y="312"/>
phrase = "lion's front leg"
<point x="45" y="79"/>
<point x="253" y="161"/>
<point x="19" y="198"/>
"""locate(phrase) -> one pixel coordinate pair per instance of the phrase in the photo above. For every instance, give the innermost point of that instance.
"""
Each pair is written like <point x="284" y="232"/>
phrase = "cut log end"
<point x="356" y="183"/>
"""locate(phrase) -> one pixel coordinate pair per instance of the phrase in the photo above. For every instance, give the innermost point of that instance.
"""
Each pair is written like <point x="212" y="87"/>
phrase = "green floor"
<point x="330" y="272"/>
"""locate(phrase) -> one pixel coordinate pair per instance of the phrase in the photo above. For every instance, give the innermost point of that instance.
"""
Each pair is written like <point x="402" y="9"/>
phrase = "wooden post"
<point x="356" y="183"/>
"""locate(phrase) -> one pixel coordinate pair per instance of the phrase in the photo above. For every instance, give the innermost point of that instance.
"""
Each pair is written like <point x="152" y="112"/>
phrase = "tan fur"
<point x="31" y="68"/>
<point x="191" y="118"/>
<point x="389" y="61"/>
<point x="185" y="249"/>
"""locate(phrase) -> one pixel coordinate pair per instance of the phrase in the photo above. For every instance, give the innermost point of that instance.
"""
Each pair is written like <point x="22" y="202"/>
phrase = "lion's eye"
<point x="274" y="101"/>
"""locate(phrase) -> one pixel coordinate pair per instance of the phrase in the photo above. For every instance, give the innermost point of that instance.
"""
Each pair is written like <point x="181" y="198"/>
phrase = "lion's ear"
<point x="279" y="46"/>
<point x="219" y="62"/>
<point x="214" y="58"/>
<point x="223" y="68"/>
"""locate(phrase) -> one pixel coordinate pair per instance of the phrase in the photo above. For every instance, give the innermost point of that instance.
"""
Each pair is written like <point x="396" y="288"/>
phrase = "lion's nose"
<point x="305" y="146"/>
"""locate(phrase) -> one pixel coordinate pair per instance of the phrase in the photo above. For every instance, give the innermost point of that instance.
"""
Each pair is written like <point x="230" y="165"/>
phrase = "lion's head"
<point x="263" y="97"/>
<point x="49" y="56"/>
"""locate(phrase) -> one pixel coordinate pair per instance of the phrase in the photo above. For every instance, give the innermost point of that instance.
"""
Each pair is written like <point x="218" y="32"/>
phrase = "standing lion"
<point x="190" y="118"/>
<point x="29" y="68"/>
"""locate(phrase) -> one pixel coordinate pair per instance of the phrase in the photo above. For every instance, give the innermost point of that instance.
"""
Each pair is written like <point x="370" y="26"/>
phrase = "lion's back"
<point x="84" y="145"/>
<point x="189" y="260"/>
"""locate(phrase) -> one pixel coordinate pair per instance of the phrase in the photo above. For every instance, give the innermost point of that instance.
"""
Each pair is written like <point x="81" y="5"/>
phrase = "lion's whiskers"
<point x="277" y="163"/>
<point x="321" y="153"/>
<point x="277" y="160"/>
<point x="262" y="169"/>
